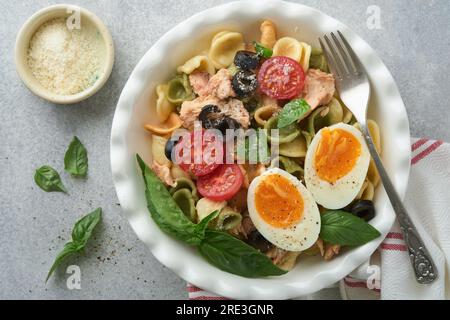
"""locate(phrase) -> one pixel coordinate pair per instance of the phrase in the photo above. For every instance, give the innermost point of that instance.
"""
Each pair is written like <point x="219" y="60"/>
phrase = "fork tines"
<point x="341" y="58"/>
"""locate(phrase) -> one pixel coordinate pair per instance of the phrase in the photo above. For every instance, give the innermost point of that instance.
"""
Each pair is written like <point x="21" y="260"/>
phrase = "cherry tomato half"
<point x="200" y="160"/>
<point x="221" y="184"/>
<point x="281" y="78"/>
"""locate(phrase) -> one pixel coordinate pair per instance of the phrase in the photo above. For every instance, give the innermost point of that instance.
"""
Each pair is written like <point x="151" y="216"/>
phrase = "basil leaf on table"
<point x="81" y="233"/>
<point x="293" y="111"/>
<point x="164" y="210"/>
<point x="343" y="228"/>
<point x="262" y="51"/>
<point x="83" y="228"/>
<point x="69" y="249"/>
<point x="75" y="159"/>
<point x="219" y="248"/>
<point x="232" y="255"/>
<point x="48" y="179"/>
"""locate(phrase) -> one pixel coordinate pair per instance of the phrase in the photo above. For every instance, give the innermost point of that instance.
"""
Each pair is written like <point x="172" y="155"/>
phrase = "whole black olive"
<point x="363" y="209"/>
<point x="257" y="241"/>
<point x="170" y="144"/>
<point x="244" y="83"/>
<point x="246" y="60"/>
<point x="210" y="116"/>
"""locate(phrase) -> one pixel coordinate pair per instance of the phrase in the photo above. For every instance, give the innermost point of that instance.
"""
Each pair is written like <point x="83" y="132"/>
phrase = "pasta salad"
<point x="255" y="159"/>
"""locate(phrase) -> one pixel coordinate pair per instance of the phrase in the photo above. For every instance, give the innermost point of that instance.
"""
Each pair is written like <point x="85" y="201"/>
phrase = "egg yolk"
<point x="336" y="154"/>
<point x="278" y="201"/>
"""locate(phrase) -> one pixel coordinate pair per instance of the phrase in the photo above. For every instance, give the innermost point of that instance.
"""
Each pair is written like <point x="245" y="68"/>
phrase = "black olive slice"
<point x="170" y="144"/>
<point x="257" y="241"/>
<point x="210" y="116"/>
<point x="244" y="83"/>
<point x="246" y="60"/>
<point x="363" y="209"/>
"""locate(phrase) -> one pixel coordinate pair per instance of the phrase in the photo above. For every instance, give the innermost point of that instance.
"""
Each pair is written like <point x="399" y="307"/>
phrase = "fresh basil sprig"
<point x="75" y="159"/>
<point x="262" y="51"/>
<point x="48" y="179"/>
<point x="219" y="248"/>
<point x="343" y="228"/>
<point x="293" y="111"/>
<point x="81" y="233"/>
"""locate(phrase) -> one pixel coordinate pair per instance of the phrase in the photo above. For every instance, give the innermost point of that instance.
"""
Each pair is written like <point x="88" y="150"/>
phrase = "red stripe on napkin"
<point x="418" y="143"/>
<point x="395" y="235"/>
<point x="426" y="152"/>
<point x="393" y="247"/>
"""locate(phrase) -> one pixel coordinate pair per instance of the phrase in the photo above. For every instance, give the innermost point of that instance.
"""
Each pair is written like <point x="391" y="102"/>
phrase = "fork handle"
<point x="422" y="263"/>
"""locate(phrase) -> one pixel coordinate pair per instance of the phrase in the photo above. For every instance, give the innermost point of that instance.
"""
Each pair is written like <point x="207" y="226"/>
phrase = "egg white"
<point x="297" y="237"/>
<point x="342" y="192"/>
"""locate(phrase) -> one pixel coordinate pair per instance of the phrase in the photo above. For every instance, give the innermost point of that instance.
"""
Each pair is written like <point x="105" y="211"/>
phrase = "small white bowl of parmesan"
<point x="64" y="54"/>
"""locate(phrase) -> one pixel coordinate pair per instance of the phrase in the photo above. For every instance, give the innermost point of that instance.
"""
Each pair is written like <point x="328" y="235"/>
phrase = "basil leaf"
<point x="69" y="249"/>
<point x="75" y="159"/>
<point x="340" y="227"/>
<point x="262" y="51"/>
<point x="232" y="255"/>
<point x="81" y="233"/>
<point x="202" y="225"/>
<point x="48" y="179"/>
<point x="83" y="228"/>
<point x="292" y="112"/>
<point x="164" y="210"/>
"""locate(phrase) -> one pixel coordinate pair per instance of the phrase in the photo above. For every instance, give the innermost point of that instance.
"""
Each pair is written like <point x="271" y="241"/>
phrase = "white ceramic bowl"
<point x="30" y="27"/>
<point x="135" y="108"/>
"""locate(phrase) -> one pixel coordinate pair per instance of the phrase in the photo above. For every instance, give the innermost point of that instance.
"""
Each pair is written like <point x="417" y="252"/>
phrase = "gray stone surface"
<point x="414" y="42"/>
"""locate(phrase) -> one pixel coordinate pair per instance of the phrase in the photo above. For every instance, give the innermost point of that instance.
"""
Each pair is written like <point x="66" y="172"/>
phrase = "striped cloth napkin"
<point x="388" y="274"/>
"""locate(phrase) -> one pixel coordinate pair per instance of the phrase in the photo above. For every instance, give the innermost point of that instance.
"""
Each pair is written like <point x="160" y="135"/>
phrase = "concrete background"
<point x="414" y="42"/>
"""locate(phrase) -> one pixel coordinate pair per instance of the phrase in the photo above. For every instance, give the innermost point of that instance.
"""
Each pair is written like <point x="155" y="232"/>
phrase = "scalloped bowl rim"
<point x="183" y="260"/>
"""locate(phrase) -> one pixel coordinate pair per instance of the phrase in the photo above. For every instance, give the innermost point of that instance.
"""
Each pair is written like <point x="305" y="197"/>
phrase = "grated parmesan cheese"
<point x="66" y="61"/>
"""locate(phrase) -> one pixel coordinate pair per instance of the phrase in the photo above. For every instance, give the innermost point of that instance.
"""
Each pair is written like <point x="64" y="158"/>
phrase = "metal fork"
<point x="353" y="86"/>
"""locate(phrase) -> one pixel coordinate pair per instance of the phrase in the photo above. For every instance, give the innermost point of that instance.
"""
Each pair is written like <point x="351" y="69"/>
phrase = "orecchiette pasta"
<point x="288" y="261"/>
<point x="294" y="49"/>
<point x="186" y="202"/>
<point x="325" y="116"/>
<point x="158" y="145"/>
<point x="291" y="166"/>
<point x="178" y="173"/>
<point x="223" y="48"/>
<point x="205" y="206"/>
<point x="228" y="219"/>
<point x="285" y="135"/>
<point x="185" y="183"/>
<point x="263" y="114"/>
<point x="268" y="34"/>
<point x="372" y="173"/>
<point x="288" y="47"/>
<point x="163" y="106"/>
<point x="367" y="191"/>
<point x="197" y="63"/>
<point x="172" y="123"/>
<point x="179" y="90"/>
<point x="294" y="149"/>
<point x="317" y="60"/>
<point x="306" y="55"/>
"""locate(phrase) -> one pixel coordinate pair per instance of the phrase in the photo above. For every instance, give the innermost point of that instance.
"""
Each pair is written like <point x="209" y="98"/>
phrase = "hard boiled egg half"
<point x="336" y="165"/>
<point x="283" y="211"/>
